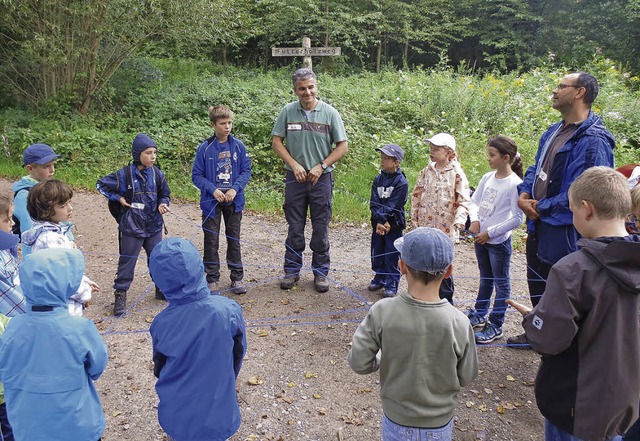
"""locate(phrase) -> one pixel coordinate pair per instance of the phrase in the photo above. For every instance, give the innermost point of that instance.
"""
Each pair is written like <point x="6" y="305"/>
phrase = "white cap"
<point x="443" y="140"/>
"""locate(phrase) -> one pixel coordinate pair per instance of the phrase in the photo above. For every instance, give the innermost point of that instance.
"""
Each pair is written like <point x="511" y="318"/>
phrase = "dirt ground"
<point x="295" y="382"/>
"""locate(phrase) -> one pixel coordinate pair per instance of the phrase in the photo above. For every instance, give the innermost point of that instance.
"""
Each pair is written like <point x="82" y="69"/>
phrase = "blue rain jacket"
<point x="198" y="346"/>
<point x="50" y="358"/>
<point x="590" y="145"/>
<point x="389" y="193"/>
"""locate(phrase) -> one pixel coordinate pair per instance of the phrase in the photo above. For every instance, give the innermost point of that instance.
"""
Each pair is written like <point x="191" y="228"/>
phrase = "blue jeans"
<point x="553" y="433"/>
<point x="318" y="201"/>
<point x="384" y="258"/>
<point x="493" y="263"/>
<point x="130" y="247"/>
<point x="395" y="432"/>
<point x="6" y="433"/>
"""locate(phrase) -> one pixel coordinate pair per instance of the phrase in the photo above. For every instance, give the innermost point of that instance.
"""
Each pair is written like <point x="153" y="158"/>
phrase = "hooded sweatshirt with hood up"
<point x="586" y="329"/>
<point x="198" y="346"/>
<point x="50" y="358"/>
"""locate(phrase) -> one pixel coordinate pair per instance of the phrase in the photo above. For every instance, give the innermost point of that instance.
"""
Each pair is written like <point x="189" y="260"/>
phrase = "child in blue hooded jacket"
<point x="50" y="359"/>
<point x="198" y="345"/>
<point x="143" y="190"/>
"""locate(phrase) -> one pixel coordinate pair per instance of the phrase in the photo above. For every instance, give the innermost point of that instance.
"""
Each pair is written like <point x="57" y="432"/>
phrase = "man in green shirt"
<point x="303" y="137"/>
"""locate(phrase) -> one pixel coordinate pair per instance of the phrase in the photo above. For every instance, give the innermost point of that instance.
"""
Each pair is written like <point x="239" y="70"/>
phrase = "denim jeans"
<point x="493" y="263"/>
<point x="395" y="432"/>
<point x="553" y="433"/>
<point x="300" y="198"/>
<point x="384" y="258"/>
<point x="211" y="229"/>
<point x="6" y="433"/>
<point x="537" y="270"/>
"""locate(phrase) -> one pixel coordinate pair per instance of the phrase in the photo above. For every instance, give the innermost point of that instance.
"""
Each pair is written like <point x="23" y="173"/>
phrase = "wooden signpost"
<point x="305" y="51"/>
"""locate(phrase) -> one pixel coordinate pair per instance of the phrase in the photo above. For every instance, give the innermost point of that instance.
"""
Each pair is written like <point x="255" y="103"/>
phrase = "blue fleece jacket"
<point x="50" y="358"/>
<point x="389" y="193"/>
<point x="203" y="173"/>
<point x="198" y="346"/>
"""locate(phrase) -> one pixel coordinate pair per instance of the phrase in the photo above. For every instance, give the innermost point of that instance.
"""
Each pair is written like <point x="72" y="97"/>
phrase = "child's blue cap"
<point x="426" y="249"/>
<point x="392" y="150"/>
<point x="38" y="154"/>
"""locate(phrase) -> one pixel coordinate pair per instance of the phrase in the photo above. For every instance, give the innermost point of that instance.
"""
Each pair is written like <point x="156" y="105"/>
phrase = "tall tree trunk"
<point x="378" y="56"/>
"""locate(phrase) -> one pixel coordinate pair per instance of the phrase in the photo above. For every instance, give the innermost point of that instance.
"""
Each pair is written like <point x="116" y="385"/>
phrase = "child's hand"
<point x="219" y="195"/>
<point x="474" y="228"/>
<point x="94" y="286"/>
<point x="519" y="307"/>
<point x="230" y="195"/>
<point x="163" y="208"/>
<point x="380" y="229"/>
<point x="482" y="238"/>
<point x="124" y="202"/>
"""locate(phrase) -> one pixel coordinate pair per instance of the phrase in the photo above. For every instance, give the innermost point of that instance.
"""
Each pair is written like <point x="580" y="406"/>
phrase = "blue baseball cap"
<point x="392" y="150"/>
<point x="38" y="154"/>
<point x="426" y="249"/>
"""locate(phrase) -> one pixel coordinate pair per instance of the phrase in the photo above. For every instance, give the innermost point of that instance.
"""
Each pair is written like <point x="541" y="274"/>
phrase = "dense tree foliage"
<point x="66" y="51"/>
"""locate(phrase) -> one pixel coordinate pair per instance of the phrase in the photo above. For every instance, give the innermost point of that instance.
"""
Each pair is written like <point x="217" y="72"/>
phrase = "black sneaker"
<point x="159" y="294"/>
<point x="375" y="286"/>
<point x="289" y="280"/>
<point x="519" y="342"/>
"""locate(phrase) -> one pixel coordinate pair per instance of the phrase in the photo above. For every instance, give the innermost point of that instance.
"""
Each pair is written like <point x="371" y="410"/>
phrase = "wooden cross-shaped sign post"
<point x="305" y="51"/>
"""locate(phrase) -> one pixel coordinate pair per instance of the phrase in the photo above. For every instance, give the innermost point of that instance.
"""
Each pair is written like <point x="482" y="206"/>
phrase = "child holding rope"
<point x="494" y="214"/>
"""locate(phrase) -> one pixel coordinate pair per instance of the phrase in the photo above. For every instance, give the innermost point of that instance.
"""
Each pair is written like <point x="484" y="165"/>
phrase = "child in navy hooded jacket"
<point x="198" y="346"/>
<point x="141" y="224"/>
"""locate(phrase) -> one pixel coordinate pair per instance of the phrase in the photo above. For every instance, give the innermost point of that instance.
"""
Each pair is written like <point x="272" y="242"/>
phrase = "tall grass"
<point x="168" y="100"/>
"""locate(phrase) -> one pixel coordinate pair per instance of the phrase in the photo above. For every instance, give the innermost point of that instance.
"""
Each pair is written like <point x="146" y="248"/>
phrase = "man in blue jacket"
<point x="198" y="346"/>
<point x="565" y="150"/>
<point x="50" y="359"/>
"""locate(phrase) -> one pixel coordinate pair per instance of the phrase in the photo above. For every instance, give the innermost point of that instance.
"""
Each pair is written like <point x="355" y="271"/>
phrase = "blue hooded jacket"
<point x="198" y="346"/>
<point x="590" y="145"/>
<point x="150" y="189"/>
<point x="389" y="193"/>
<point x="50" y="358"/>
<point x="203" y="172"/>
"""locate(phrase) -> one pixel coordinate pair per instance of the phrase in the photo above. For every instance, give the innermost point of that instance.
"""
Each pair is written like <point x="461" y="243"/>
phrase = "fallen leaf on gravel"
<point x="488" y="391"/>
<point x="483" y="407"/>
<point x="308" y="375"/>
<point x="509" y="406"/>
<point x="294" y="333"/>
<point x="469" y="404"/>
<point x="149" y="319"/>
<point x="291" y="384"/>
<point x="364" y="390"/>
<point x="510" y="378"/>
<point x="529" y="382"/>
<point x="317" y="396"/>
<point x="251" y="437"/>
<point x="502" y="385"/>
<point x="116" y="413"/>
<point x="473" y="391"/>
<point x="500" y="409"/>
<point x="290" y="422"/>
<point x="284" y="301"/>
<point x="321" y="410"/>
<point x="255" y="380"/>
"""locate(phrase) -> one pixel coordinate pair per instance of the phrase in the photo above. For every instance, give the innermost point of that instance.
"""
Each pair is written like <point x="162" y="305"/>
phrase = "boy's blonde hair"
<point x="6" y="202"/>
<point x="44" y="196"/>
<point x="635" y="198"/>
<point x="605" y="189"/>
<point x="219" y="112"/>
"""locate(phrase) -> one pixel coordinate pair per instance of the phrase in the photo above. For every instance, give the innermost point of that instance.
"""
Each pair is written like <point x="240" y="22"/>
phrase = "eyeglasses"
<point x="564" y="86"/>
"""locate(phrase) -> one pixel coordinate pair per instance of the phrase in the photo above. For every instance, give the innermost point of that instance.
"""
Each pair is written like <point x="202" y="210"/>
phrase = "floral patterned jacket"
<point x="441" y="199"/>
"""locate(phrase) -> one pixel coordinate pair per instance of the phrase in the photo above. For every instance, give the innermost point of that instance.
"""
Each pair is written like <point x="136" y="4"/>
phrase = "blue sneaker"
<point x="489" y="333"/>
<point x="477" y="321"/>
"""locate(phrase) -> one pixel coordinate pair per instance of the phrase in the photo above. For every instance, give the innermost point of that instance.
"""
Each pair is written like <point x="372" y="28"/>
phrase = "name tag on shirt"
<point x="542" y="176"/>
<point x="138" y="205"/>
<point x="294" y="127"/>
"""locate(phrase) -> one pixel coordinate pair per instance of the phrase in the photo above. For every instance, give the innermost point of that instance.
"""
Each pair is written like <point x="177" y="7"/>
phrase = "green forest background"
<point x="86" y="76"/>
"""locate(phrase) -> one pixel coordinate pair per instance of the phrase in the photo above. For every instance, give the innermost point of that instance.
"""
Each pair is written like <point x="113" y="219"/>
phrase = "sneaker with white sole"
<point x="489" y="333"/>
<point x="477" y="321"/>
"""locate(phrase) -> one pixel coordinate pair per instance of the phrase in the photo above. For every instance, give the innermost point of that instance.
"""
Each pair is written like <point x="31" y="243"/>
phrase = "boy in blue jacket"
<point x="50" y="359"/>
<point x="198" y="346"/>
<point x="221" y="170"/>
<point x="388" y="197"/>
<point x="142" y="190"/>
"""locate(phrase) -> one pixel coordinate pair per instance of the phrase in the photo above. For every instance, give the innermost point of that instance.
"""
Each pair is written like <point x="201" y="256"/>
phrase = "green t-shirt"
<point x="309" y="138"/>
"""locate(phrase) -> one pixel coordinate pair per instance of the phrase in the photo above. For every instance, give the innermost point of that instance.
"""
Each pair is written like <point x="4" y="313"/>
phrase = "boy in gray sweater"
<point x="424" y="347"/>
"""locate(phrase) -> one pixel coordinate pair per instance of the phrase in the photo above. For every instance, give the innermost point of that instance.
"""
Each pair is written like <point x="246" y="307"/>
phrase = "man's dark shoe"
<point x="159" y="294"/>
<point x="519" y="342"/>
<point x="375" y="286"/>
<point x="389" y="292"/>
<point x="320" y="283"/>
<point x="213" y="287"/>
<point x="289" y="280"/>
<point x="237" y="288"/>
<point x="120" y="303"/>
